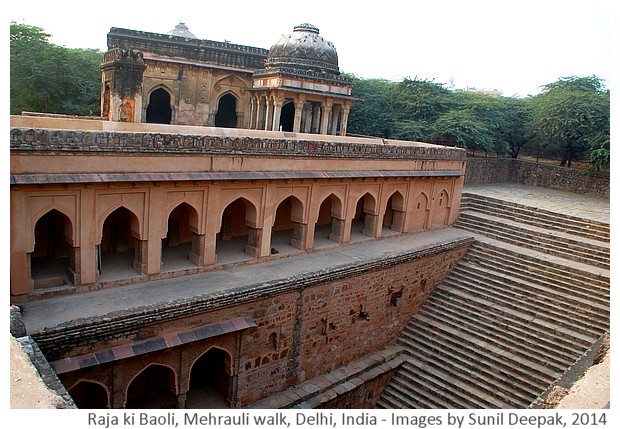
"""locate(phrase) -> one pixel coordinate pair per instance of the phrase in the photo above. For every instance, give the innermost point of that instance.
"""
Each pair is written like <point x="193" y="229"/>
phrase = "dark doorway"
<point x="159" y="111"/>
<point x="209" y="378"/>
<point x="89" y="395"/>
<point x="152" y="388"/>
<point x="51" y="258"/>
<point x="287" y="116"/>
<point x="226" y="115"/>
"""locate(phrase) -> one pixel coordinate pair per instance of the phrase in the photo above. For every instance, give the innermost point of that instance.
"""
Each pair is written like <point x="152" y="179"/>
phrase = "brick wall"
<point x="306" y="326"/>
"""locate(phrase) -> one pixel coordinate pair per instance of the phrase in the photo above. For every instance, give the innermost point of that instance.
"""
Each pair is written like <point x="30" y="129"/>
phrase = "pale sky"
<point x="512" y="46"/>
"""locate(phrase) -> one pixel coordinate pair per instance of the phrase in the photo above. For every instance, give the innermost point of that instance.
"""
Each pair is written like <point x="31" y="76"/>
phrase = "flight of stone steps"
<point x="510" y="319"/>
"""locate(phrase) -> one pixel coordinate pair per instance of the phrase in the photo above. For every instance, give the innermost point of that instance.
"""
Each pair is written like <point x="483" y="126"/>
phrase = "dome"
<point x="182" y="30"/>
<point x="304" y="49"/>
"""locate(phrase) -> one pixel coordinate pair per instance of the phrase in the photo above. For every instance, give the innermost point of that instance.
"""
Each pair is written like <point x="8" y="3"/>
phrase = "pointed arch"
<point x="119" y="249"/>
<point x="180" y="243"/>
<point x="288" y="228"/>
<point x="420" y="212"/>
<point x="88" y="394"/>
<point x="365" y="217"/>
<point x="329" y="222"/>
<point x="393" y="217"/>
<point x="226" y="115"/>
<point x="155" y="386"/>
<point x="211" y="377"/>
<point x="52" y="258"/>
<point x="440" y="209"/>
<point x="238" y="233"/>
<point x="159" y="107"/>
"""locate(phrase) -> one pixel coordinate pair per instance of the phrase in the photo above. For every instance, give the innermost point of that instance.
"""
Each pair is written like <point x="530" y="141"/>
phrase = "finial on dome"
<point x="306" y="27"/>
<point x="182" y="30"/>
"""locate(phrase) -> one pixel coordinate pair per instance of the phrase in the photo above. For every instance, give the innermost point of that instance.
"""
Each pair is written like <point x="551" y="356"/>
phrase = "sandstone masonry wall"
<point x="305" y="326"/>
<point x="494" y="170"/>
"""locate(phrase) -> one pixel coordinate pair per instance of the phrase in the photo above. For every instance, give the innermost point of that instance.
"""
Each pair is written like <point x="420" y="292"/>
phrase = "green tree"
<point x="373" y="113"/>
<point x="50" y="78"/>
<point x="571" y="117"/>
<point x="464" y="129"/>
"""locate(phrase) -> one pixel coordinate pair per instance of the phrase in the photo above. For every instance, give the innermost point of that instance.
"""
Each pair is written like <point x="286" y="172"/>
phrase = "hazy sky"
<point x="513" y="46"/>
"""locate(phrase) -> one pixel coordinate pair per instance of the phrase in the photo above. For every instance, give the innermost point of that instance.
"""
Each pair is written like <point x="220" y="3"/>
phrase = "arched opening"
<point x="89" y="395"/>
<point x="419" y="212"/>
<point x="287" y="116"/>
<point x="209" y="381"/>
<point x="287" y="233"/>
<point x="363" y="224"/>
<point x="226" y="115"/>
<point x="328" y="228"/>
<point x="119" y="253"/>
<point x="393" y="217"/>
<point x="153" y="388"/>
<point x="51" y="262"/>
<point x="440" y="213"/>
<point x="180" y="244"/>
<point x="159" y="110"/>
<point x="236" y="240"/>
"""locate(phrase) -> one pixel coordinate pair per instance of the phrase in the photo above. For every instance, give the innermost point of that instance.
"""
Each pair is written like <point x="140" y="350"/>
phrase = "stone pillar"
<point x="326" y="109"/>
<point x="371" y="222"/>
<point x="398" y="220"/>
<point x="74" y="266"/>
<point x="345" y="119"/>
<point x="268" y="114"/>
<point x="253" y="246"/>
<point x="316" y="118"/>
<point x="196" y="255"/>
<point x="336" y="112"/>
<point x="277" y="112"/>
<point x="299" y="107"/>
<point x="140" y="256"/>
<point x="252" y="124"/>
<point x="337" y="230"/>
<point x="307" y="118"/>
<point x="299" y="233"/>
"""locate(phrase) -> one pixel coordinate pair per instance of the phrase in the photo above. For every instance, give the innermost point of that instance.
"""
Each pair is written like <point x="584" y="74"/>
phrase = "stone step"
<point x="544" y="236"/>
<point x="486" y="330"/>
<point x="527" y="317"/>
<point x="517" y="280"/>
<point x="537" y="216"/>
<point x="582" y="317"/>
<point x="460" y="373"/>
<point x="527" y="241"/>
<point x="453" y="342"/>
<point x="540" y="262"/>
<point x="490" y="379"/>
<point x="580" y="285"/>
<point x="392" y="397"/>
<point x="533" y="218"/>
<point x="422" y="394"/>
<point x="464" y="394"/>
<point x="471" y="312"/>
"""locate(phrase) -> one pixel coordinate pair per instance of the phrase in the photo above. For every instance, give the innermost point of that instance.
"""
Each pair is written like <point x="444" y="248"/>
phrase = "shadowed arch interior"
<point x="159" y="110"/>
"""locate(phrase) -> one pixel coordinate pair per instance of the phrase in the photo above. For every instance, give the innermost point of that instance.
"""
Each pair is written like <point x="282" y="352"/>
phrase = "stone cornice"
<point x="56" y="142"/>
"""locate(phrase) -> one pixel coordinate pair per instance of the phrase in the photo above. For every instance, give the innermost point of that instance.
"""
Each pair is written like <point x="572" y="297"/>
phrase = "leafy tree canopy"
<point x="571" y="117"/>
<point x="50" y="78"/>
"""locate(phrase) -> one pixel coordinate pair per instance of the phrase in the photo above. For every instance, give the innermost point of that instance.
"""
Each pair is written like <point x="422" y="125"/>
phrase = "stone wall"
<point x="306" y="326"/>
<point x="494" y="170"/>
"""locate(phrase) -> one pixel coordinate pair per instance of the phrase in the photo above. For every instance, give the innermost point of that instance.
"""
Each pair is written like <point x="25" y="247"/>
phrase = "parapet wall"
<point x="495" y="170"/>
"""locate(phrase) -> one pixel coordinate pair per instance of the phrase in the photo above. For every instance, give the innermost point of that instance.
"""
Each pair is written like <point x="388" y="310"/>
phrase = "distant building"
<point x="178" y="79"/>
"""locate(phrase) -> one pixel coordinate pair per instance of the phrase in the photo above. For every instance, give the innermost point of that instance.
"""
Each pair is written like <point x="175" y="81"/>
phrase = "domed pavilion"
<point x="301" y="88"/>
